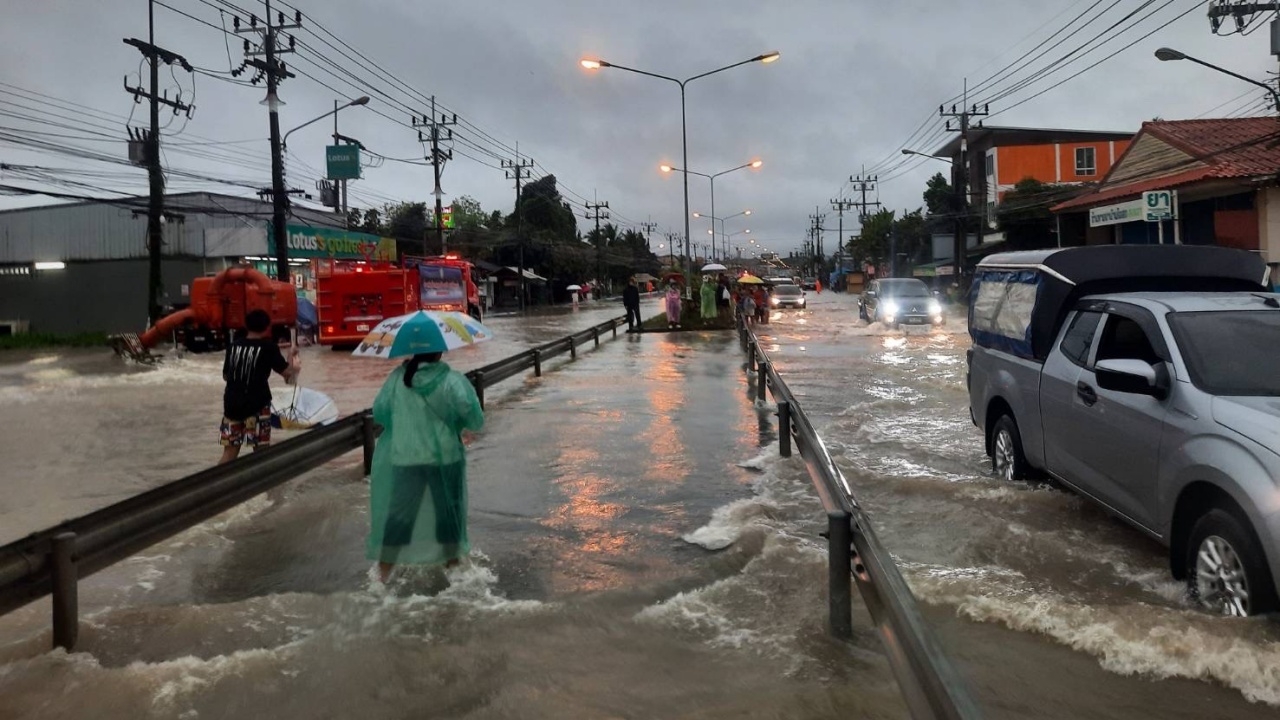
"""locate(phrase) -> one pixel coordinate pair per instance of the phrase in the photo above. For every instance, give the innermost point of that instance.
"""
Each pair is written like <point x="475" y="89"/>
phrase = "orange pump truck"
<point x="218" y="307"/>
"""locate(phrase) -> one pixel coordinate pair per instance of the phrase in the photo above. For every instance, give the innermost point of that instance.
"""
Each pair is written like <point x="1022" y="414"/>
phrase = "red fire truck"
<point x="353" y="296"/>
<point x="447" y="283"/>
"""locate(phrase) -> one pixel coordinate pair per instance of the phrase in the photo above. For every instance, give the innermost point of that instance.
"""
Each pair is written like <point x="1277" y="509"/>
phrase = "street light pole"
<point x="1165" y="54"/>
<point x="279" y="145"/>
<point x="754" y="164"/>
<point x="684" y="131"/>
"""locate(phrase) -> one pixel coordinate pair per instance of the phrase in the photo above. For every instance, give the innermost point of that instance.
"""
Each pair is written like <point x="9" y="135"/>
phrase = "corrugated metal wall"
<point x="109" y="297"/>
<point x="101" y="231"/>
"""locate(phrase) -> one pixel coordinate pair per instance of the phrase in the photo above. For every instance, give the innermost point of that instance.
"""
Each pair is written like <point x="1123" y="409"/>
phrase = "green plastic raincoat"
<point x="418" y="490"/>
<point x="708" y="299"/>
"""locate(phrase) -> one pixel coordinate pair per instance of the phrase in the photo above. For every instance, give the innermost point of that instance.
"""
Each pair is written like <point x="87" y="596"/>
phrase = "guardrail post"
<point x="573" y="349"/>
<point x="595" y="335"/>
<point x="614" y="323"/>
<point x="762" y="380"/>
<point x="370" y="441"/>
<point x="840" y="574"/>
<point x="751" y="358"/>
<point x="66" y="601"/>
<point x="537" y="363"/>
<point x="478" y="383"/>
<point x="784" y="429"/>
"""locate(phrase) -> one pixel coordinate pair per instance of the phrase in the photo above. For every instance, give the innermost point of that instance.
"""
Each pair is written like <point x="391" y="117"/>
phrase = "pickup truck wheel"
<point x="1007" y="459"/>
<point x="1227" y="571"/>
<point x="862" y="313"/>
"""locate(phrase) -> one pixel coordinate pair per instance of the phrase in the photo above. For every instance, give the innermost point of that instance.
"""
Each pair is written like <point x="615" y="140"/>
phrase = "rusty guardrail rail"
<point x="52" y="561"/>
<point x="929" y="683"/>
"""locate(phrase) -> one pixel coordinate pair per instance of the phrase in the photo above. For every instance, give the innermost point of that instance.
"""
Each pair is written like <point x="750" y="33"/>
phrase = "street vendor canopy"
<point x="1019" y="300"/>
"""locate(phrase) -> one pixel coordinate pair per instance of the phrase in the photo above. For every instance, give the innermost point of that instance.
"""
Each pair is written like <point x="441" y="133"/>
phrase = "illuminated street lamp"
<point x="596" y="64"/>
<point x="754" y="164"/>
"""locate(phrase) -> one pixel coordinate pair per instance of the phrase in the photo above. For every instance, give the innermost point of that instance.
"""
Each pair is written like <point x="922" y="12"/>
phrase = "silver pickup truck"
<point x="1146" y="379"/>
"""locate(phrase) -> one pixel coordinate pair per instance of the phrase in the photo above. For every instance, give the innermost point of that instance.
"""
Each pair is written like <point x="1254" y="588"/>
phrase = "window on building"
<point x="991" y="165"/>
<point x="1086" y="161"/>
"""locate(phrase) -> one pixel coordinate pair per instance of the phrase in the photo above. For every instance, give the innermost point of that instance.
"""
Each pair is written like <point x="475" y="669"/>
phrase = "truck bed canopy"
<point x="1019" y="300"/>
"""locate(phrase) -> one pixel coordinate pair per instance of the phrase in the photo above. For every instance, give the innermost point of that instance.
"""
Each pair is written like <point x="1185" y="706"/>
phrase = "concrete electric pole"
<point x="960" y="172"/>
<point x="151" y="151"/>
<point x="519" y="170"/>
<point x="438" y="159"/>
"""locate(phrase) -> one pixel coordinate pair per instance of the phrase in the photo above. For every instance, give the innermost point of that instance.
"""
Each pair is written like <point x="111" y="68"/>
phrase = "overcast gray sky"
<point x="856" y="78"/>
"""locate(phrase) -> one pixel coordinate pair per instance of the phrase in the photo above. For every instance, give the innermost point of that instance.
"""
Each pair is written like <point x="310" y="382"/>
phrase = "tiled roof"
<point x="1222" y="149"/>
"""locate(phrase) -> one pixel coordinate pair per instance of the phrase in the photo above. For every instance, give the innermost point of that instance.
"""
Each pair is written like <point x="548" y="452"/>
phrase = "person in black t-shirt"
<point x="246" y="403"/>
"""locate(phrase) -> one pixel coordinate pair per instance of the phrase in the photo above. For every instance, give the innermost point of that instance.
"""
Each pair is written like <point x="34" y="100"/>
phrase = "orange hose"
<point x="167" y="324"/>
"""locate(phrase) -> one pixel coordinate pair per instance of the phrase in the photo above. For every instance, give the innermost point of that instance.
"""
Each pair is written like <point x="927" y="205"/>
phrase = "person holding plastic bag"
<point x="418" y="488"/>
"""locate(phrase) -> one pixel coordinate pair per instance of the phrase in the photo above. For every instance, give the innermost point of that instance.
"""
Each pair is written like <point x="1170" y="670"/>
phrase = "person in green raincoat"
<point x="418" y="488"/>
<point x="708" y="296"/>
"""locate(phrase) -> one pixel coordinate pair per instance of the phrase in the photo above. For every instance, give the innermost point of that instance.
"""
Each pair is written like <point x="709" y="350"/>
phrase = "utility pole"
<point x="438" y="159"/>
<point x="151" y="151"/>
<point x="274" y="71"/>
<point x="816" y="255"/>
<point x="840" y="205"/>
<point x="671" y="249"/>
<point x="519" y="170"/>
<point x="863" y="184"/>
<point x="598" y="211"/>
<point x="961" y="171"/>
<point x="648" y="228"/>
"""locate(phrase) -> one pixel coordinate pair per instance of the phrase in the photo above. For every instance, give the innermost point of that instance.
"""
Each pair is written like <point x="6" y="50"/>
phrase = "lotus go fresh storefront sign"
<point x="311" y="242"/>
<point x="1132" y="211"/>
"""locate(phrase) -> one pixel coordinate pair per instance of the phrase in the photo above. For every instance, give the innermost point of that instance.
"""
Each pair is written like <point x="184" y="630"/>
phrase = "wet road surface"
<point x="1052" y="607"/>
<point x="641" y="551"/>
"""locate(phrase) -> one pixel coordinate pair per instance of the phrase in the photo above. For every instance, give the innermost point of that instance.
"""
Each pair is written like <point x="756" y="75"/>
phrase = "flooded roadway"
<point x="1052" y="607"/>
<point x="641" y="551"/>
<point x="636" y="555"/>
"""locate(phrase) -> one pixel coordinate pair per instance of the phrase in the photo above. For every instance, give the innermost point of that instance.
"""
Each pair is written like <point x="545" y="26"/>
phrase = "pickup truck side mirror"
<point x="1133" y="376"/>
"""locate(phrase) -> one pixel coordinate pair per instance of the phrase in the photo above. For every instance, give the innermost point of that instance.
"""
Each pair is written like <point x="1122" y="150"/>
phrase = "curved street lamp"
<point x="754" y="165"/>
<point x="596" y="64"/>
<point x="278" y="197"/>
<point x="926" y="155"/>
<point x="1165" y="54"/>
<point x="362" y="100"/>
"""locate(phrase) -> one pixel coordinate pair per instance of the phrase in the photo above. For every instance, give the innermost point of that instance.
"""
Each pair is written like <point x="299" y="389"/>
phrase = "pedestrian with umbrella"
<point x="418" y="487"/>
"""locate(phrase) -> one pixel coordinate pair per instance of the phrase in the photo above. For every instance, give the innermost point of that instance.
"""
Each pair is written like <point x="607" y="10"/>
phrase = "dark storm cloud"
<point x="855" y="79"/>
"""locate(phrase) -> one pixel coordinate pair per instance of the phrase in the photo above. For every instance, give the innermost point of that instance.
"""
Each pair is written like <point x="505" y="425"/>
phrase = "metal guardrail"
<point x="532" y="359"/>
<point x="50" y="562"/>
<point x="929" y="683"/>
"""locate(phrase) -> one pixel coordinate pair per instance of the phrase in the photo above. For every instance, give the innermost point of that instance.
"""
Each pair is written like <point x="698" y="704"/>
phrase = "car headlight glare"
<point x="890" y="307"/>
<point x="935" y="307"/>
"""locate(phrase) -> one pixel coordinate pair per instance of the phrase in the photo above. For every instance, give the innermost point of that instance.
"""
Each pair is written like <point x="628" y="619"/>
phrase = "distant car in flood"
<point x="788" y="296"/>
<point x="900" y="301"/>
<point x="809" y="283"/>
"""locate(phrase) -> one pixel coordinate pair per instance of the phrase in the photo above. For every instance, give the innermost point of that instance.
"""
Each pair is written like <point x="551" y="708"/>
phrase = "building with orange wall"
<point x="1001" y="157"/>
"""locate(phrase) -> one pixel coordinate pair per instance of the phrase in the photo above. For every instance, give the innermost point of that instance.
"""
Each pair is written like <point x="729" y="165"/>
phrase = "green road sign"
<point x="342" y="162"/>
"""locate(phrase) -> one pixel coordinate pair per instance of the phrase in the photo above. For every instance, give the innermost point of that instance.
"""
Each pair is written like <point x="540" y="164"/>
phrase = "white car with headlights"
<point x="900" y="301"/>
<point x="785" y="296"/>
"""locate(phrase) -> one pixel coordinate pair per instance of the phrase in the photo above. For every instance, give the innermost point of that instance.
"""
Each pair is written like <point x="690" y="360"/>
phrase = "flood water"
<point x="641" y="551"/>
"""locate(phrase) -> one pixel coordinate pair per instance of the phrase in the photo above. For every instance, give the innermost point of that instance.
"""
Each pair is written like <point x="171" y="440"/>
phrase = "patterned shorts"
<point x="256" y="431"/>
